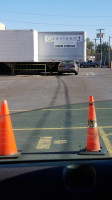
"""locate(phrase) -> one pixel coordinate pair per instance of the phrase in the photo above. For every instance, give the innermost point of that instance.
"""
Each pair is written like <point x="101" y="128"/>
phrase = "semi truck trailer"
<point x="47" y="48"/>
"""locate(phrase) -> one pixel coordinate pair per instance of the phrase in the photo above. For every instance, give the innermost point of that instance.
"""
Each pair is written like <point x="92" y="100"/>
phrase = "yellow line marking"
<point x="60" y="141"/>
<point x="44" y="143"/>
<point x="48" y="109"/>
<point x="109" y="134"/>
<point x="19" y="110"/>
<point x="52" y="109"/>
<point x="55" y="128"/>
<point x="105" y="108"/>
<point x="61" y="128"/>
<point x="106" y="141"/>
<point x="58" y="109"/>
<point x="105" y="127"/>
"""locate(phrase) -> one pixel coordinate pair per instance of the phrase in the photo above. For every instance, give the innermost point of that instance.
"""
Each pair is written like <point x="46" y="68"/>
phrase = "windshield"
<point x="46" y="111"/>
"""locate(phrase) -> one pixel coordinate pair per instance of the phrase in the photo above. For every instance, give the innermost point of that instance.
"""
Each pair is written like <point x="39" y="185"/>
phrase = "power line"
<point x="52" y="15"/>
<point x="42" y="23"/>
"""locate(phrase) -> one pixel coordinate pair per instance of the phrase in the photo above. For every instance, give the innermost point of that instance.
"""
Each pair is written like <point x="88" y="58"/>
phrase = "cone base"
<point x="12" y="156"/>
<point x="103" y="151"/>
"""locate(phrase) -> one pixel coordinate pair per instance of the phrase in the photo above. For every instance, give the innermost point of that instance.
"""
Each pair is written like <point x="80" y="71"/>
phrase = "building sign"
<point x="70" y="38"/>
<point x="64" y="41"/>
<point x="65" y="45"/>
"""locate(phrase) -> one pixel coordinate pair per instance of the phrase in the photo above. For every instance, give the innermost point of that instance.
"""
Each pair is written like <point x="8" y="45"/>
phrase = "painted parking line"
<point x="57" y="128"/>
<point x="44" y="143"/>
<point x="50" y="109"/>
<point x="109" y="134"/>
<point x="105" y="127"/>
<point x="60" y="128"/>
<point x="63" y="109"/>
<point x="106" y="141"/>
<point x="60" y="141"/>
<point x="59" y="109"/>
<point x="19" y="110"/>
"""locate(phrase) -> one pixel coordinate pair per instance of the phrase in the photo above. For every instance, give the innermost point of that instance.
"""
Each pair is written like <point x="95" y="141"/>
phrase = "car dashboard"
<point x="56" y="179"/>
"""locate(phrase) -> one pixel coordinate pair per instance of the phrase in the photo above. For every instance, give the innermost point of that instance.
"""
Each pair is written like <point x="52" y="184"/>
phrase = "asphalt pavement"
<point x="49" y="114"/>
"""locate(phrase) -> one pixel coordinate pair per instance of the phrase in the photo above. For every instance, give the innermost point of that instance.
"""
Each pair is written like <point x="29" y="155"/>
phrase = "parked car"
<point x="68" y="66"/>
<point x="91" y="63"/>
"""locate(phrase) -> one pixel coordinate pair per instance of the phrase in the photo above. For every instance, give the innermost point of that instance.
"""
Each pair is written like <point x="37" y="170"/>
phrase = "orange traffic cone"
<point x="8" y="147"/>
<point x="93" y="143"/>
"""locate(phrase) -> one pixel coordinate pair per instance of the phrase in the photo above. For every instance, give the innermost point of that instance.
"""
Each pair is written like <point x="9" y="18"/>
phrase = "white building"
<point x="2" y="26"/>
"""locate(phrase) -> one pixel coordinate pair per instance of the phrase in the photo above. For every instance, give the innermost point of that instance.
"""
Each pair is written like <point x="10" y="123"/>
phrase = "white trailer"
<point x="2" y="26"/>
<point x="48" y="48"/>
<point x="18" y="46"/>
<point x="56" y="46"/>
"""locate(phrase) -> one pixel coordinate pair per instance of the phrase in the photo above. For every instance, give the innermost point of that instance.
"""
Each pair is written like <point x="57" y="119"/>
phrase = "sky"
<point x="59" y="15"/>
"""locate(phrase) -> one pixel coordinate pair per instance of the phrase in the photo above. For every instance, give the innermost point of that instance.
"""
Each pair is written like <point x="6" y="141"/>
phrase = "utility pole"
<point x="100" y="35"/>
<point x="109" y="53"/>
<point x="95" y="47"/>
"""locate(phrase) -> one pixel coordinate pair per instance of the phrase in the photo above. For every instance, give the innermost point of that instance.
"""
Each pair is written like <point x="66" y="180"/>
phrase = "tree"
<point x="90" y="48"/>
<point x="105" y="47"/>
<point x="90" y="44"/>
<point x="105" y="52"/>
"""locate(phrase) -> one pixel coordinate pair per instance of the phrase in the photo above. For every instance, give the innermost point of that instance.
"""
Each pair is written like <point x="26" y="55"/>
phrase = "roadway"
<point x="50" y="113"/>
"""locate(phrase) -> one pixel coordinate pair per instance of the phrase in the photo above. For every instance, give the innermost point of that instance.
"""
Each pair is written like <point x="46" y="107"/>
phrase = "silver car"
<point x="68" y="66"/>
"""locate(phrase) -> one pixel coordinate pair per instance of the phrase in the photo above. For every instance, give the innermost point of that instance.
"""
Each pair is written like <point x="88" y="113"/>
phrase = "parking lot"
<point x="24" y="92"/>
<point x="50" y="113"/>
